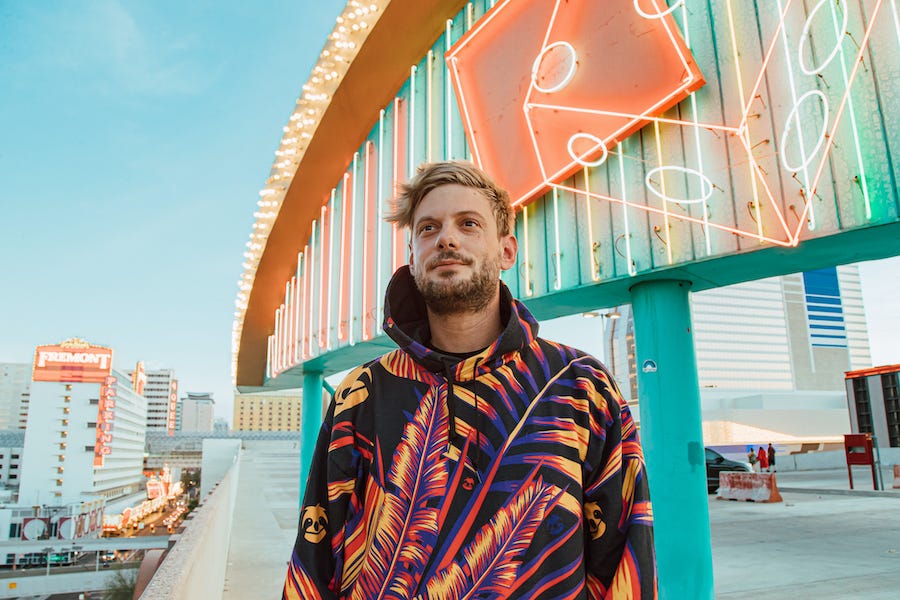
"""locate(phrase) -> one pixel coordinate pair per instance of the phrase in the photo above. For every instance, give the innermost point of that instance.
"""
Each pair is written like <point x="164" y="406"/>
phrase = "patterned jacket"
<point x="513" y="473"/>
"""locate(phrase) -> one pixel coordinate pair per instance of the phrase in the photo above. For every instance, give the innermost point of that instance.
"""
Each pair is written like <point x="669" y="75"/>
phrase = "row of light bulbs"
<point x="350" y="30"/>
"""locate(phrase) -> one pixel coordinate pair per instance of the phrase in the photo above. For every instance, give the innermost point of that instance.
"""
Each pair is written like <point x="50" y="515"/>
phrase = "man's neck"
<point x="466" y="332"/>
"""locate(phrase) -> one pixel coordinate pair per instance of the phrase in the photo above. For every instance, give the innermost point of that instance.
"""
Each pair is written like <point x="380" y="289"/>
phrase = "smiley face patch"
<point x="314" y="523"/>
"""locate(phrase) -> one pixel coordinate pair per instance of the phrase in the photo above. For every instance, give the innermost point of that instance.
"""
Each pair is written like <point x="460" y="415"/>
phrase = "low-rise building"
<point x="268" y="411"/>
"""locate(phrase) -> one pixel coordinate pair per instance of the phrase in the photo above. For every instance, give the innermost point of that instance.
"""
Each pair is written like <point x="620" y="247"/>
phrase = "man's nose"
<point x="447" y="238"/>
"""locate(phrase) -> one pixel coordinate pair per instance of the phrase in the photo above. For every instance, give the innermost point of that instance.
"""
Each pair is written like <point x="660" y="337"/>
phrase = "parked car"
<point x="715" y="464"/>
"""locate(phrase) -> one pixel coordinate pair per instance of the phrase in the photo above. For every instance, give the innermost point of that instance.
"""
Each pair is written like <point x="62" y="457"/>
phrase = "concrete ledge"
<point x="195" y="566"/>
<point x="753" y="487"/>
<point x="830" y="459"/>
<point x="840" y="492"/>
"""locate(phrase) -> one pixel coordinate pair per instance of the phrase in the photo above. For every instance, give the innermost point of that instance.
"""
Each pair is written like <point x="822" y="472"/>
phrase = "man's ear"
<point x="509" y="248"/>
<point x="412" y="262"/>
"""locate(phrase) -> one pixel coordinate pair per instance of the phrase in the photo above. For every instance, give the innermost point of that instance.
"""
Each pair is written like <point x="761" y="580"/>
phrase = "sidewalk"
<point x="824" y="541"/>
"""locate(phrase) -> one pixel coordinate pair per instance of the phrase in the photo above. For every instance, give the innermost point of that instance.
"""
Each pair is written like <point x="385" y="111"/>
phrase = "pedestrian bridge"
<point x="89" y="572"/>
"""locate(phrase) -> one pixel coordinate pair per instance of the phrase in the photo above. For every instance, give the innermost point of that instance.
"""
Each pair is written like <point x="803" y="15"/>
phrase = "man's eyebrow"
<point x="461" y="213"/>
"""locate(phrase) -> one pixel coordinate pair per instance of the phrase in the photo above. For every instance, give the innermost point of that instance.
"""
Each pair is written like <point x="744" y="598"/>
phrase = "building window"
<point x="14" y="456"/>
<point x="891" y="408"/>
<point x="95" y="401"/>
<point x="13" y="476"/>
<point x="861" y="399"/>
<point x="88" y="448"/>
<point x="15" y="530"/>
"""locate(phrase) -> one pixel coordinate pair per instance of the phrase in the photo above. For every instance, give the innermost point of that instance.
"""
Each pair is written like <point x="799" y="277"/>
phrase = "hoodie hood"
<point x="406" y="322"/>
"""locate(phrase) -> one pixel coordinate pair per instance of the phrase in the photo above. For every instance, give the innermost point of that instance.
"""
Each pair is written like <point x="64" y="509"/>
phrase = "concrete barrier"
<point x="896" y="476"/>
<point x="753" y="487"/>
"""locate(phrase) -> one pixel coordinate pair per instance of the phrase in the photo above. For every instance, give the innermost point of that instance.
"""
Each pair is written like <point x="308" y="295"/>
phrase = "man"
<point x="477" y="460"/>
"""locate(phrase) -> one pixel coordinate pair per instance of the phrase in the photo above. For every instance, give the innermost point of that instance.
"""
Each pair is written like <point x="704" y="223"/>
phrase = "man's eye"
<point x="470" y="223"/>
<point x="426" y="228"/>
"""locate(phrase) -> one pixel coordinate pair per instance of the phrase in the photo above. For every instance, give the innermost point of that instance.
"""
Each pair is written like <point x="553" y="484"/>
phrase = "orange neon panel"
<point x="370" y="225"/>
<point x="324" y="275"/>
<point x="546" y="87"/>
<point x="346" y="258"/>
<point x="398" y="249"/>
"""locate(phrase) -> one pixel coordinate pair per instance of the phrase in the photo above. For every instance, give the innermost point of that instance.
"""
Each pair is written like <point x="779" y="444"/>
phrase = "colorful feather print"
<point x="490" y="563"/>
<point x="298" y="585"/>
<point x="406" y="524"/>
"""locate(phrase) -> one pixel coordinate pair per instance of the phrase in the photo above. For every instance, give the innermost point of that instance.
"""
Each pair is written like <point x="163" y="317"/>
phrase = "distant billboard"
<point x="72" y="361"/>
<point x="139" y="378"/>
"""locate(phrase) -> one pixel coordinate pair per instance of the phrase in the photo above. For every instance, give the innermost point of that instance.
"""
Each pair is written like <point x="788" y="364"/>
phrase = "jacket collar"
<point x="406" y="322"/>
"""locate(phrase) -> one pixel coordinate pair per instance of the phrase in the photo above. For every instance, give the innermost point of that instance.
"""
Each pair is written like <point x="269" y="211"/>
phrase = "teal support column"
<point x="672" y="437"/>
<point x="310" y="423"/>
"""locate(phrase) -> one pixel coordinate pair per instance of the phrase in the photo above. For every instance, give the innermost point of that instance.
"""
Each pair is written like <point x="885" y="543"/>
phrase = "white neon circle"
<point x="568" y="76"/>
<point x="592" y="138"/>
<point x="647" y="15"/>
<point x="707" y="184"/>
<point x="805" y="36"/>
<point x="792" y="116"/>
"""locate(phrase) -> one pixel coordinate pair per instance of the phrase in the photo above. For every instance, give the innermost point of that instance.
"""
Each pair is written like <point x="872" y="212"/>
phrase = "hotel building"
<point x="268" y="411"/>
<point x="85" y="435"/>
<point x="771" y="356"/>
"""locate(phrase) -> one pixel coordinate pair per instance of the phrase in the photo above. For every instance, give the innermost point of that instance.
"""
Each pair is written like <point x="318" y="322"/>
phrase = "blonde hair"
<point x="434" y="175"/>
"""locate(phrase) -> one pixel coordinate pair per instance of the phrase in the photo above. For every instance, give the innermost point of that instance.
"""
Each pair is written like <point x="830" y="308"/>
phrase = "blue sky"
<point x="134" y="137"/>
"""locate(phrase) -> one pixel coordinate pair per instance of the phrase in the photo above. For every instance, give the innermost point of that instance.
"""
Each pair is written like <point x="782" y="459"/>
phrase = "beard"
<point x="448" y="296"/>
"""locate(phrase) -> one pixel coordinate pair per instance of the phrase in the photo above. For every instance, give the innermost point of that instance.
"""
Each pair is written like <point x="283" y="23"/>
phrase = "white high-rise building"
<point x="196" y="412"/>
<point x="15" y="384"/>
<point x="161" y="392"/>
<point x="771" y="355"/>
<point x="84" y="439"/>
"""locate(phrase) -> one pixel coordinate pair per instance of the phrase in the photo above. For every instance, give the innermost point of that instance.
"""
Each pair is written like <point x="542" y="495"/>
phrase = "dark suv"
<point x="715" y="464"/>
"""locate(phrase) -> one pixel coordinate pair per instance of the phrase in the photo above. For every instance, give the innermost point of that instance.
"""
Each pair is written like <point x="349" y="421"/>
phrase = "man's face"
<point x="456" y="254"/>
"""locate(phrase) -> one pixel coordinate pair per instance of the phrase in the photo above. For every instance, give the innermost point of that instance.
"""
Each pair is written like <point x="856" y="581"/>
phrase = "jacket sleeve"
<point x="619" y="554"/>
<point x="315" y="569"/>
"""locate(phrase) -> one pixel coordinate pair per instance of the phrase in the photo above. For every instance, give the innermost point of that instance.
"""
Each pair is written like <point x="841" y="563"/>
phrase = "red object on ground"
<point x="859" y="451"/>
<point x="896" y="476"/>
<point x="753" y="487"/>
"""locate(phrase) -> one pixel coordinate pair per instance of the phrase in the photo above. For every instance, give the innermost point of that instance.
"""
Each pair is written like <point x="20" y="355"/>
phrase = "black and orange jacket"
<point x="514" y="473"/>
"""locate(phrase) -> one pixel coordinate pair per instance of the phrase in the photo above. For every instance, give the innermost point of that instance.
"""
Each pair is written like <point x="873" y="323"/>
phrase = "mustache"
<point x="448" y="255"/>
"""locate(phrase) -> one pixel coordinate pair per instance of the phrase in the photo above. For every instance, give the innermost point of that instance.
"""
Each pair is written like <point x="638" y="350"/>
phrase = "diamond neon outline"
<point x="741" y="130"/>
<point x="792" y="235"/>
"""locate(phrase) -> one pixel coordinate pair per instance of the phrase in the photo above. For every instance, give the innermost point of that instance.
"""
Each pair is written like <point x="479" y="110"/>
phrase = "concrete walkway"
<point x="265" y="521"/>
<point x="822" y="542"/>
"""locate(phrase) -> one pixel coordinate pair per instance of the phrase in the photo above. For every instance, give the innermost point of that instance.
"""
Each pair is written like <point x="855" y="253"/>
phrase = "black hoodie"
<point x="512" y="473"/>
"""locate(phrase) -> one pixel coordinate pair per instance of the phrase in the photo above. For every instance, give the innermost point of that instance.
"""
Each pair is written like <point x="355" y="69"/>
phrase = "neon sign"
<point x="106" y="414"/>
<point x="566" y="80"/>
<point x="72" y="361"/>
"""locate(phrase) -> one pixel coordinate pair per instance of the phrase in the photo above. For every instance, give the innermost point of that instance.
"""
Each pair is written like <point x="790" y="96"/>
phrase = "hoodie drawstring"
<point x="449" y="376"/>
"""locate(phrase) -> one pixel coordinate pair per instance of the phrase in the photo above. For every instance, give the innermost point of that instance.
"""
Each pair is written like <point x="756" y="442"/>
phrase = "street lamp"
<point x="610" y="315"/>
<point x="47" y="551"/>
